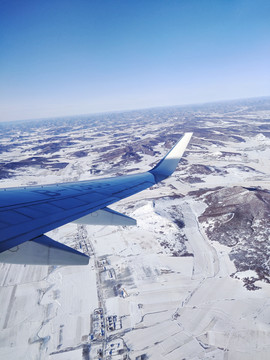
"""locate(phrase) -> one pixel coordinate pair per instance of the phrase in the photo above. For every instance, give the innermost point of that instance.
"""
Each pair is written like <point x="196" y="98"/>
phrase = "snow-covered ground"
<point x="158" y="290"/>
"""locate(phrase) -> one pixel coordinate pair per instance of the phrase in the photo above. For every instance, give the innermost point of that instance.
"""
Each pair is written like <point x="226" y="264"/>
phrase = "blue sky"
<point x="74" y="57"/>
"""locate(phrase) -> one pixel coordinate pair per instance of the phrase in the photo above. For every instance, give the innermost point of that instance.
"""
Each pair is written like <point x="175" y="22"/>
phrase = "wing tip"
<point x="169" y="163"/>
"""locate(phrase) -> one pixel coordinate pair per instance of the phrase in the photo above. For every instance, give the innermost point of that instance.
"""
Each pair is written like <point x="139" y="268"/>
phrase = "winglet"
<point x="168" y="164"/>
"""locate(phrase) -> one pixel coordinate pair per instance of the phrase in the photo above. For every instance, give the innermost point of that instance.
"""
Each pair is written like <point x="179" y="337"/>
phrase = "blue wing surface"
<point x="27" y="213"/>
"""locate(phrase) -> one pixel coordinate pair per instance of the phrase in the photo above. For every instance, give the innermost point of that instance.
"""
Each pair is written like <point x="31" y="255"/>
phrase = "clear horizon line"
<point x="134" y="109"/>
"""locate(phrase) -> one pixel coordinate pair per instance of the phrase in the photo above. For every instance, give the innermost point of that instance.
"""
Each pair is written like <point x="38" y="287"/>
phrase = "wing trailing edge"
<point x="106" y="216"/>
<point x="43" y="251"/>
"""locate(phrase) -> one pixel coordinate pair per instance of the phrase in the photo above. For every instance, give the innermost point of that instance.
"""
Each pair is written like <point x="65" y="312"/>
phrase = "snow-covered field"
<point x="162" y="289"/>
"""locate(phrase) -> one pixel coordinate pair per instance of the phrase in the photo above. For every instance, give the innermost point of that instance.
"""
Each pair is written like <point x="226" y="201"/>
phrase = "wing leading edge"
<point x="27" y="213"/>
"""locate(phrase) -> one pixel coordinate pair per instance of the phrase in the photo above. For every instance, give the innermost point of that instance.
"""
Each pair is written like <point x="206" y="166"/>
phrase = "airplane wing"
<point x="27" y="213"/>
